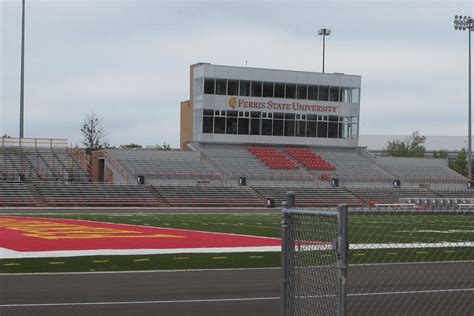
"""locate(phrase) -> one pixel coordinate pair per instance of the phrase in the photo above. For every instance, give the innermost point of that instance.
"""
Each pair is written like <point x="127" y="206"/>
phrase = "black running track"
<point x="404" y="289"/>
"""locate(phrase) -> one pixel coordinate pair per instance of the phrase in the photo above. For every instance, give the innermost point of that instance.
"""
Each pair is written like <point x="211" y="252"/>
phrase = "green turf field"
<point x="362" y="230"/>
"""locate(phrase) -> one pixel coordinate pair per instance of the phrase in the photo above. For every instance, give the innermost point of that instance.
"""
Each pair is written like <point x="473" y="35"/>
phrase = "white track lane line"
<point x="217" y="300"/>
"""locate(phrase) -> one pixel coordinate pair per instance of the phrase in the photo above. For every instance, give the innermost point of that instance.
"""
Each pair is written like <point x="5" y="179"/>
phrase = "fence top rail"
<point x="370" y="211"/>
<point x="309" y="212"/>
<point x="405" y="211"/>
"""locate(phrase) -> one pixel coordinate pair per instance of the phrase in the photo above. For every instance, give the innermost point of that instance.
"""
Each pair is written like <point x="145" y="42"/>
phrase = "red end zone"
<point x="28" y="234"/>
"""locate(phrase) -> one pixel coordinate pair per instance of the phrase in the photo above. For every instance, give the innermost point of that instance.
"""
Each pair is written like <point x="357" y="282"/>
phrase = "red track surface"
<point x="44" y="234"/>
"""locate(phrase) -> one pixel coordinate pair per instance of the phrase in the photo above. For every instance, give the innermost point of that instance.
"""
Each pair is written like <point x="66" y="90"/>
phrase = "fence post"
<point x="341" y="264"/>
<point x="289" y="203"/>
<point x="284" y="268"/>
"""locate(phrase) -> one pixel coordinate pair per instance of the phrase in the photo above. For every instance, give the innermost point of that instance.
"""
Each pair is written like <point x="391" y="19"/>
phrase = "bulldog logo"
<point x="232" y="102"/>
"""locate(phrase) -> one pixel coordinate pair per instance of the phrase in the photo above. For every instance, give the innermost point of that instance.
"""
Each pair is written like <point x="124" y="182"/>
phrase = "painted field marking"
<point x="181" y="258"/>
<point x="392" y="253"/>
<point x="450" y="251"/>
<point x="422" y="252"/>
<point x="358" y="254"/>
<point x="56" y="262"/>
<point x="256" y="257"/>
<point x="219" y="258"/>
<point x="140" y="260"/>
<point x="12" y="264"/>
<point x="100" y="261"/>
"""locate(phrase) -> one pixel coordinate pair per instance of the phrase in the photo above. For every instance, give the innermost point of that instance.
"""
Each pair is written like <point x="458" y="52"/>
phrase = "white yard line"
<point x="12" y="254"/>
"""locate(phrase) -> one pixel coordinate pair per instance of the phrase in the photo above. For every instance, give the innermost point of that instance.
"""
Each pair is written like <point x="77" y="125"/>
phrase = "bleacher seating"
<point x="15" y="194"/>
<point x="55" y="175"/>
<point x="94" y="194"/>
<point x="13" y="163"/>
<point x="351" y="166"/>
<point x="155" y="164"/>
<point x="209" y="196"/>
<point x="236" y="161"/>
<point x="387" y="195"/>
<point x="273" y="158"/>
<point x="310" y="196"/>
<point x="309" y="159"/>
<point x="41" y="164"/>
<point x="420" y="170"/>
<point x="454" y="193"/>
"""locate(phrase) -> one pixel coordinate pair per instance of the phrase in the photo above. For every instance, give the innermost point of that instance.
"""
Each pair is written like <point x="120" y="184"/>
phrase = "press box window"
<point x="302" y="91"/>
<point x="324" y="93"/>
<point x="268" y="89"/>
<point x="232" y="87"/>
<point x="334" y="94"/>
<point x="290" y="91"/>
<point x="312" y="92"/>
<point x="209" y="86"/>
<point x="221" y="86"/>
<point x="244" y="88"/>
<point x="256" y="89"/>
<point x="231" y="122"/>
<point x="279" y="90"/>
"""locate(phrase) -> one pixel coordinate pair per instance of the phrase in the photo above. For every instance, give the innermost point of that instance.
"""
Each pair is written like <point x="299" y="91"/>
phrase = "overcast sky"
<point x="128" y="61"/>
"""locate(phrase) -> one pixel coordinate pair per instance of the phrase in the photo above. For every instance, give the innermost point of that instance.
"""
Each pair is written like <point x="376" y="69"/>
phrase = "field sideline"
<point x="386" y="229"/>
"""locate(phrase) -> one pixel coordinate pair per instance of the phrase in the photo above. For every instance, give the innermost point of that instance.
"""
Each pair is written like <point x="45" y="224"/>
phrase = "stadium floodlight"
<point x="324" y="32"/>
<point x="22" y="79"/>
<point x="463" y="23"/>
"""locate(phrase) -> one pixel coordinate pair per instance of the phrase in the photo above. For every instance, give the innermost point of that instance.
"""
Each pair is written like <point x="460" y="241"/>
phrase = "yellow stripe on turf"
<point x="56" y="262"/>
<point x="138" y="260"/>
<point x="219" y="258"/>
<point x="255" y="257"/>
<point x="12" y="264"/>
<point x="359" y="254"/>
<point x="421" y="252"/>
<point x="392" y="253"/>
<point x="100" y="261"/>
<point x="181" y="258"/>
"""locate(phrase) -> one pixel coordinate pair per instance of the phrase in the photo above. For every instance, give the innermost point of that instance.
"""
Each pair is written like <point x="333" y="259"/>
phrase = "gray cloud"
<point x="129" y="61"/>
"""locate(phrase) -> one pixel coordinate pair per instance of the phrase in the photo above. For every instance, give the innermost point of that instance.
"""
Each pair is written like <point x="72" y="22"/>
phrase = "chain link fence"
<point x="399" y="262"/>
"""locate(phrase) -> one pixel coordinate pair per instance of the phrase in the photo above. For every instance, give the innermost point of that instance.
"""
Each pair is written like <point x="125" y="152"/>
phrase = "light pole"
<point x="463" y="23"/>
<point x="324" y="32"/>
<point x="22" y="79"/>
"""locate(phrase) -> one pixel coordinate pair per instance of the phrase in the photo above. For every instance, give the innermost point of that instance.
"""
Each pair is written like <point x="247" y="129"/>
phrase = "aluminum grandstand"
<point x="248" y="135"/>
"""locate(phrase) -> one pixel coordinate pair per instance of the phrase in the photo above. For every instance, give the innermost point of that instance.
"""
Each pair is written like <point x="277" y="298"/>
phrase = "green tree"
<point x="165" y="146"/>
<point x="440" y="154"/>
<point x="461" y="160"/>
<point x="93" y="132"/>
<point x="411" y="147"/>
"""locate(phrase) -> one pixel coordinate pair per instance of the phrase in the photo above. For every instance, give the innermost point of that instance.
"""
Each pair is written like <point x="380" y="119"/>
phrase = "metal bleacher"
<point x="420" y="170"/>
<point x="310" y="196"/>
<point x="92" y="194"/>
<point x="56" y="175"/>
<point x="352" y="166"/>
<point x="375" y="195"/>
<point x="16" y="194"/>
<point x="39" y="160"/>
<point x="237" y="161"/>
<point x="210" y="196"/>
<point x="160" y="165"/>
